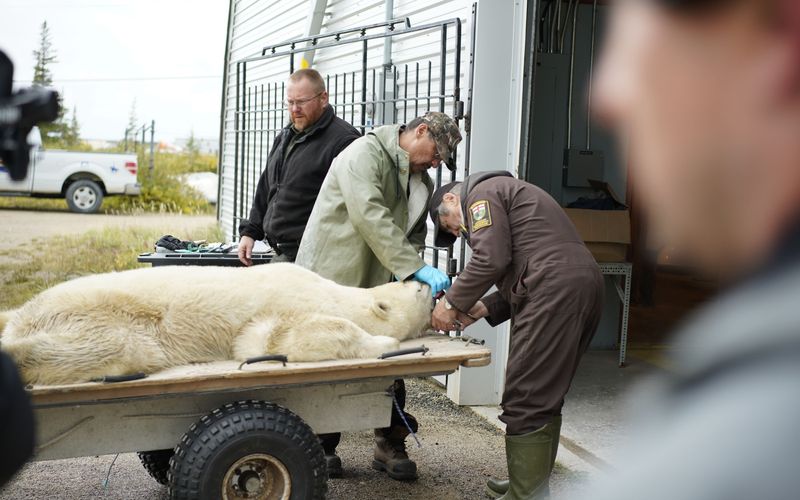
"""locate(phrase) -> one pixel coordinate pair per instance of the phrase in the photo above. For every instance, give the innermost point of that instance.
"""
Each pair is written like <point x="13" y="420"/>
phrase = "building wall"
<point x="548" y="138"/>
<point x="252" y="25"/>
<point x="496" y="111"/>
<point x="496" y="116"/>
<point x="255" y="24"/>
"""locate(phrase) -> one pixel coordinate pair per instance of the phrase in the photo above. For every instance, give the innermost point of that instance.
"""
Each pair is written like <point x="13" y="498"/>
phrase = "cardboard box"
<point x="607" y="233"/>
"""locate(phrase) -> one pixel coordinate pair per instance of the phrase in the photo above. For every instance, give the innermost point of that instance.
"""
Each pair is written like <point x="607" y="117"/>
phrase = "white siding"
<point x="256" y="24"/>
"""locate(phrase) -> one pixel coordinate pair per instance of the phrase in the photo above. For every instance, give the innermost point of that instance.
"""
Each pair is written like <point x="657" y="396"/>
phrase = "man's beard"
<point x="297" y="126"/>
<point x="417" y="168"/>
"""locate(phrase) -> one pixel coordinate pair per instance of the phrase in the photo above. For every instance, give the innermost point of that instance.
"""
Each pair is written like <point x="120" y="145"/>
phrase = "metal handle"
<point x="110" y="379"/>
<point x="469" y="340"/>
<point x="411" y="350"/>
<point x="269" y="357"/>
<point x="452" y="267"/>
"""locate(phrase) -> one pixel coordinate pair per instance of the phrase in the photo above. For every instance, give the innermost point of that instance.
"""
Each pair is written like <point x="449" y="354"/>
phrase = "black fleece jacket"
<point x="291" y="180"/>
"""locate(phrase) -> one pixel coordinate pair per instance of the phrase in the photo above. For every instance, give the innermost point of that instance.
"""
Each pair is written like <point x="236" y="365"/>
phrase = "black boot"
<point x="332" y="460"/>
<point x="390" y="451"/>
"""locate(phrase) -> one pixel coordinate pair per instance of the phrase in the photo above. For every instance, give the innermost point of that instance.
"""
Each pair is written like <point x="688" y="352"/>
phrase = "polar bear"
<point x="145" y="320"/>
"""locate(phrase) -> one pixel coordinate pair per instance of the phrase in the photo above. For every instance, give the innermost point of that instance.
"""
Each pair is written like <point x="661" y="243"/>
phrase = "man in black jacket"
<point x="300" y="158"/>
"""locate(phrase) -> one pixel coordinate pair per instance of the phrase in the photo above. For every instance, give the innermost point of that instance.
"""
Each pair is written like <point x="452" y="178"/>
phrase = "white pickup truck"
<point x="82" y="178"/>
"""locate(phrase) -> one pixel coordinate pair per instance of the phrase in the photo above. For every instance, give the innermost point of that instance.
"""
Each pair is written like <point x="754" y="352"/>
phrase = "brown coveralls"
<point x="549" y="286"/>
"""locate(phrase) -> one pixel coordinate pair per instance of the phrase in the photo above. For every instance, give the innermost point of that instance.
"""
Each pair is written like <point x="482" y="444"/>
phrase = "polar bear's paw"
<point x="379" y="345"/>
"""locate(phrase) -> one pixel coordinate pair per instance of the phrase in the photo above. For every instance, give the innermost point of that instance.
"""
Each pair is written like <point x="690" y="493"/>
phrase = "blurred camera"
<point x="19" y="112"/>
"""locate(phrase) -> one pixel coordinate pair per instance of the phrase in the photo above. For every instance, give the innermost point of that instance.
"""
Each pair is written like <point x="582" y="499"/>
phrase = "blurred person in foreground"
<point x="708" y="95"/>
<point x="16" y="421"/>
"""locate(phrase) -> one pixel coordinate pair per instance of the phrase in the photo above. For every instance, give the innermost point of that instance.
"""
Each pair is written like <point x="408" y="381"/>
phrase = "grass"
<point x="162" y="190"/>
<point x="64" y="258"/>
<point x="23" y="203"/>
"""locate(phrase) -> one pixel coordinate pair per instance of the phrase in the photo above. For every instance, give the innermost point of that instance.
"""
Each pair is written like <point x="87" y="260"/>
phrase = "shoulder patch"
<point x="481" y="215"/>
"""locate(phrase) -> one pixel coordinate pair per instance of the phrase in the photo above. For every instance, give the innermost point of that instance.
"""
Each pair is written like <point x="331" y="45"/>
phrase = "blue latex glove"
<point x="437" y="280"/>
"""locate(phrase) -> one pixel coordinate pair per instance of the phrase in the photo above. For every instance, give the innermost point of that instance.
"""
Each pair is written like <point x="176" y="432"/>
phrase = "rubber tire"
<point x="236" y="430"/>
<point x="156" y="463"/>
<point x="85" y="184"/>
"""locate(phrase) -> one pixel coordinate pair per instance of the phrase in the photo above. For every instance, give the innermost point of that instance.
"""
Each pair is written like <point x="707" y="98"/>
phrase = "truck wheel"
<point x="156" y="463"/>
<point x="84" y="196"/>
<point x="249" y="450"/>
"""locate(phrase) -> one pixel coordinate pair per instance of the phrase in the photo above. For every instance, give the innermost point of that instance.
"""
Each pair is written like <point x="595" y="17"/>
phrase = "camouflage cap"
<point x="445" y="133"/>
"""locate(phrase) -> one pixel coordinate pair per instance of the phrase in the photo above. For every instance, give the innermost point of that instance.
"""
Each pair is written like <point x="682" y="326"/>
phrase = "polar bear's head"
<point x="401" y="309"/>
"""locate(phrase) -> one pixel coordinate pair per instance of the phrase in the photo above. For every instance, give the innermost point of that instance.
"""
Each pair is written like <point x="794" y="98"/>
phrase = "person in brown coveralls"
<point x="551" y="288"/>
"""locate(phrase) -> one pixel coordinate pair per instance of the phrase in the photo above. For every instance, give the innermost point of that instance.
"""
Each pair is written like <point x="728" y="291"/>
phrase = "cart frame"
<point x="156" y="413"/>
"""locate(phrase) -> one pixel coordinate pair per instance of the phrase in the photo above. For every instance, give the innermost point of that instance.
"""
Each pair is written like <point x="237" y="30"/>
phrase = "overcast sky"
<point x="165" y="54"/>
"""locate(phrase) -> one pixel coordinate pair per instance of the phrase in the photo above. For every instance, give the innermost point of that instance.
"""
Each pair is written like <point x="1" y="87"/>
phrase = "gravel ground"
<point x="460" y="451"/>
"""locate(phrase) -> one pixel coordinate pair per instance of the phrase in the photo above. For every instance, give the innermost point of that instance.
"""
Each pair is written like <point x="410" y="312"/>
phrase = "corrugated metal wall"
<point x="255" y="24"/>
<point x="251" y="23"/>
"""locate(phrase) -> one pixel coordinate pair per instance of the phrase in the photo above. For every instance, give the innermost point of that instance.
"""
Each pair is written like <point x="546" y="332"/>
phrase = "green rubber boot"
<point x="496" y="488"/>
<point x="555" y="431"/>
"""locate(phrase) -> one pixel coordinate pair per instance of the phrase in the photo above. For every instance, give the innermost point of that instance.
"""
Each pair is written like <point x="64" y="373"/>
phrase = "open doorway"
<point x="563" y="149"/>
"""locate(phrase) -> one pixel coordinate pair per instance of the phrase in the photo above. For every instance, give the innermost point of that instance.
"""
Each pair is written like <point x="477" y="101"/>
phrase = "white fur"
<point x="150" y="319"/>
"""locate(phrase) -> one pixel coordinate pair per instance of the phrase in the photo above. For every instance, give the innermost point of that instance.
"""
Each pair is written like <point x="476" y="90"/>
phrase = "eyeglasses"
<point x="290" y="103"/>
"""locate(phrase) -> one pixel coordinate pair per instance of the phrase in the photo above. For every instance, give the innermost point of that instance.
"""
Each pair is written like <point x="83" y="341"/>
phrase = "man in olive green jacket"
<point x="368" y="225"/>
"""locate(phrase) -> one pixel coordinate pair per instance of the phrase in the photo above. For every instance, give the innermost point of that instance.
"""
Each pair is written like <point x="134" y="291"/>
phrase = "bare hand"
<point x="478" y="311"/>
<point x="246" y="244"/>
<point x="475" y="313"/>
<point x="444" y="319"/>
<point x="466" y="320"/>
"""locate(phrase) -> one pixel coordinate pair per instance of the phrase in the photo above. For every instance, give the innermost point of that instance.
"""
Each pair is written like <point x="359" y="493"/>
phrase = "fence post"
<point x="152" y="134"/>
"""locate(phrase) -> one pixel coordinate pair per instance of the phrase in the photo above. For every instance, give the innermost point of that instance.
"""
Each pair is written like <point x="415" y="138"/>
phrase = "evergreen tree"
<point x="45" y="56"/>
<point x="72" y="132"/>
<point x="130" y="134"/>
<point x="192" y="147"/>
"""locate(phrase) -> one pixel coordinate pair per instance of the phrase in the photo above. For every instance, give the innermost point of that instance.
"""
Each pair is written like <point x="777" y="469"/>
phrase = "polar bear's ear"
<point x="381" y="309"/>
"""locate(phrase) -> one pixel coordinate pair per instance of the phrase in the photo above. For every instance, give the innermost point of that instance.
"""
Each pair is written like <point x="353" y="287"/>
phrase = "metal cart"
<point x="221" y="430"/>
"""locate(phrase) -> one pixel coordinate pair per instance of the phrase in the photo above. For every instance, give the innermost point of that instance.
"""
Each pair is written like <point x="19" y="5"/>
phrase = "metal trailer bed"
<point x="221" y="430"/>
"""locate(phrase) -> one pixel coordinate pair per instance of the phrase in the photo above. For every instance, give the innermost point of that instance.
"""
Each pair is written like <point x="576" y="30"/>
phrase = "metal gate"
<point x="368" y="93"/>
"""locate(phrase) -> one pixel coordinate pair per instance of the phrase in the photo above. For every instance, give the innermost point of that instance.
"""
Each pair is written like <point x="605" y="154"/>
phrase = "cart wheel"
<point x="249" y="450"/>
<point x="156" y="463"/>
